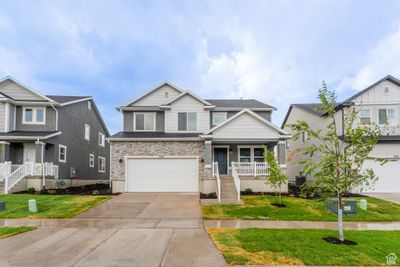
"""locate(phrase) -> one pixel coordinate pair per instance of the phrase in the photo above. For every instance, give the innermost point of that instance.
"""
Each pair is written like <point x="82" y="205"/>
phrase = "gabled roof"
<point x="312" y="108"/>
<point x="154" y="89"/>
<point x="253" y="114"/>
<point x="192" y="95"/>
<point x="9" y="78"/>
<point x="386" y="78"/>
<point x="239" y="103"/>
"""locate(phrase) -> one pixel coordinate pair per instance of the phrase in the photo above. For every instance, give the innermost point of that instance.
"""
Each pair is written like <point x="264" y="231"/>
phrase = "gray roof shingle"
<point x="311" y="107"/>
<point x="65" y="99"/>
<point x="238" y="103"/>
<point x="153" y="135"/>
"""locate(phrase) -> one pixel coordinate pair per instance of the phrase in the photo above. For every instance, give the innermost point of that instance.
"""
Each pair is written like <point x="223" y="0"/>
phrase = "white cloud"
<point x="381" y="60"/>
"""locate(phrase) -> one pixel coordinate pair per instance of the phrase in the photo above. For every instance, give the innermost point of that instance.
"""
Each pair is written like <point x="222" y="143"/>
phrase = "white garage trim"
<point x="126" y="158"/>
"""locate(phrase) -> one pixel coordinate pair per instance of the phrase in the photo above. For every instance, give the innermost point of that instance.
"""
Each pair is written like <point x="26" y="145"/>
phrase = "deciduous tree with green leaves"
<point x="276" y="178"/>
<point x="342" y="148"/>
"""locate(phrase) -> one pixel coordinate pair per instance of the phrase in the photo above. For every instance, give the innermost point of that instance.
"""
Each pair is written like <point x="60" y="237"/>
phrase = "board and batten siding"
<point x="17" y="92"/>
<point x="377" y="95"/>
<point x="187" y="104"/>
<point x="157" y="97"/>
<point x="245" y="127"/>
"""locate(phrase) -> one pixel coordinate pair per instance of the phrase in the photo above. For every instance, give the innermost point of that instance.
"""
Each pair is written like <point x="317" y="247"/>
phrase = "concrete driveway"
<point x="392" y="197"/>
<point x="132" y="229"/>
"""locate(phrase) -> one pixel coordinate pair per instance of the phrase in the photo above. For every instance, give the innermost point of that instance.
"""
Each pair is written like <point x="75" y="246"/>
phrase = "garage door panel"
<point x="162" y="175"/>
<point x="388" y="176"/>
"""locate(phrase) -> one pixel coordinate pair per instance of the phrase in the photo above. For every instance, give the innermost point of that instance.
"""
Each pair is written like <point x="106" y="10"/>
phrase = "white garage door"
<point x="389" y="176"/>
<point x="162" y="175"/>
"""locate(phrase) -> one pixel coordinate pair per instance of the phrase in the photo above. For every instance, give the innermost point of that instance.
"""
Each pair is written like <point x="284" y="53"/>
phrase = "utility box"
<point x="2" y="206"/>
<point x="363" y="204"/>
<point x="349" y="207"/>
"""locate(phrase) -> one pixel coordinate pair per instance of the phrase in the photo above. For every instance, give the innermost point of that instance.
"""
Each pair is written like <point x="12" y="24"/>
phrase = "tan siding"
<point x="18" y="92"/>
<point x="157" y="97"/>
<point x="187" y="104"/>
<point x="245" y="127"/>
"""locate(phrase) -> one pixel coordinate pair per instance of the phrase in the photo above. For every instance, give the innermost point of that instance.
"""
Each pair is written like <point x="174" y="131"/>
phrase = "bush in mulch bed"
<point x="208" y="196"/>
<point x="279" y="205"/>
<point x="93" y="189"/>
<point x="337" y="241"/>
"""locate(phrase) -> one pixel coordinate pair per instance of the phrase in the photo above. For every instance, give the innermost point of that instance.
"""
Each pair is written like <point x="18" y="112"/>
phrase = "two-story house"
<point x="175" y="141"/>
<point x="378" y="104"/>
<point x="49" y="141"/>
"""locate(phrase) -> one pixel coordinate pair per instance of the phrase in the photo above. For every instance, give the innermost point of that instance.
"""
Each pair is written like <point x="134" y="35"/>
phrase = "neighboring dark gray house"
<point x="49" y="140"/>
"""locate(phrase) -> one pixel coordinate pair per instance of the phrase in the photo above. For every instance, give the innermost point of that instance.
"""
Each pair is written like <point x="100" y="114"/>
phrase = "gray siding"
<point x="2" y="117"/>
<point x="72" y="120"/>
<point x="49" y="126"/>
<point x="128" y="121"/>
<point x="11" y="121"/>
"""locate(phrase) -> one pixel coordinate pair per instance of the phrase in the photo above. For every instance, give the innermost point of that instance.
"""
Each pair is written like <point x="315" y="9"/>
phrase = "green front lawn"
<point x="298" y="209"/>
<point x="49" y="206"/>
<point x="298" y="247"/>
<point x="10" y="231"/>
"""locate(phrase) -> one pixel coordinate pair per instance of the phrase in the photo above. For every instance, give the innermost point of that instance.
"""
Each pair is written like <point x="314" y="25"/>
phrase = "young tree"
<point x="342" y="151"/>
<point x="275" y="178"/>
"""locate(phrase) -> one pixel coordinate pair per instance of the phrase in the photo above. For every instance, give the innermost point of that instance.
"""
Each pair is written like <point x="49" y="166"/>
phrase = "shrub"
<point x="248" y="191"/>
<point x="95" y="192"/>
<point x="31" y="190"/>
<point x="311" y="190"/>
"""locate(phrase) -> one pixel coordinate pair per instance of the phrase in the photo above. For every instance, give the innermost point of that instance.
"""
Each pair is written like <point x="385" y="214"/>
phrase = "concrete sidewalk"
<point x="300" y="224"/>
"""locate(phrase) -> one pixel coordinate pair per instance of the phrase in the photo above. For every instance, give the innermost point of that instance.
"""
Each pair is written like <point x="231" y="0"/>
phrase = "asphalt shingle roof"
<point x="311" y="107"/>
<point x="153" y="135"/>
<point x="64" y="99"/>
<point x="238" y="103"/>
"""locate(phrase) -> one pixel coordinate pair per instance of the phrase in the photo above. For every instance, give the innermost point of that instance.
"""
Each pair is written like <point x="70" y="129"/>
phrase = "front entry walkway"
<point x="132" y="229"/>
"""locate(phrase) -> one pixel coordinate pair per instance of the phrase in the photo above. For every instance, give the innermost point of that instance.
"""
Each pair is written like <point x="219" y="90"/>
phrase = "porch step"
<point x="228" y="190"/>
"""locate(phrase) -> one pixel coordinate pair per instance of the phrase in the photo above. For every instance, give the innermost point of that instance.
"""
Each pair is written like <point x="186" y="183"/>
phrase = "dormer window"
<point x="34" y="115"/>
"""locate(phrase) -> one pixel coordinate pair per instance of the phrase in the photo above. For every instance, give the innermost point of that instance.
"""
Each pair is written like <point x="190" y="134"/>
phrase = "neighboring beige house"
<point x="377" y="104"/>
<point x="175" y="141"/>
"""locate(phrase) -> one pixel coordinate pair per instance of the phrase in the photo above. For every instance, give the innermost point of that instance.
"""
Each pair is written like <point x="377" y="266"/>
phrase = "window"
<point x="218" y="117"/>
<point x="89" y="105"/>
<point x="258" y="154"/>
<point x="386" y="90"/>
<point x="144" y="121"/>
<point x="245" y="155"/>
<point x="387" y="116"/>
<point x="304" y="136"/>
<point x="102" y="139"/>
<point x="62" y="153"/>
<point x="166" y="94"/>
<point x="187" y="121"/>
<point x="102" y="164"/>
<point x="251" y="154"/>
<point x="365" y="116"/>
<point x="34" y="115"/>
<point x="91" y="160"/>
<point x="87" y="132"/>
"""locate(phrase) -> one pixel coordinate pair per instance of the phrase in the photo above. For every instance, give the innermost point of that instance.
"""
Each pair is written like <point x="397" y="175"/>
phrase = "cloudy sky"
<point x="275" y="51"/>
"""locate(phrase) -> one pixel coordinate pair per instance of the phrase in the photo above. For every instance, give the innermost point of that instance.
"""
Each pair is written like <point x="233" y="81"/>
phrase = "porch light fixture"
<point x="121" y="160"/>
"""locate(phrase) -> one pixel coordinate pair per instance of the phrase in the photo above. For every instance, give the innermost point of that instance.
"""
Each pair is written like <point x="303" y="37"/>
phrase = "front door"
<point x="29" y="153"/>
<point x="221" y="156"/>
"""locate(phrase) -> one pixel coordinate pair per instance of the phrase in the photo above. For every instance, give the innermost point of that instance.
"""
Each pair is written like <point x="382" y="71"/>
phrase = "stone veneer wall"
<point x="121" y="149"/>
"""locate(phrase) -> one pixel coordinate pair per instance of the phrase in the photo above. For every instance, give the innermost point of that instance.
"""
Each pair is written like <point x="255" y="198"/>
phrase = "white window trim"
<point x="34" y="115"/>
<point x="99" y="165"/>
<point x="370" y="115"/>
<point x="144" y="121"/>
<point x="102" y="140"/>
<point x="187" y="122"/>
<point x="59" y="153"/>
<point x="221" y="113"/>
<point x="91" y="160"/>
<point x="87" y="137"/>
<point x="251" y="152"/>
<point x="387" y="113"/>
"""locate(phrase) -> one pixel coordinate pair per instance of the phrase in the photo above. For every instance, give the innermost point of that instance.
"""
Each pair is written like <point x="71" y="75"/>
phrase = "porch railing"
<point x="236" y="179"/>
<point x="5" y="169"/>
<point x="218" y="180"/>
<point x="13" y="178"/>
<point x="250" y="168"/>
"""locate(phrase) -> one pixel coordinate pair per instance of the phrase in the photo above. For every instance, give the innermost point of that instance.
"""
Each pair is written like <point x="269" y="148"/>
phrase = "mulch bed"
<point x="93" y="189"/>
<point x="337" y="241"/>
<point x="208" y="196"/>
